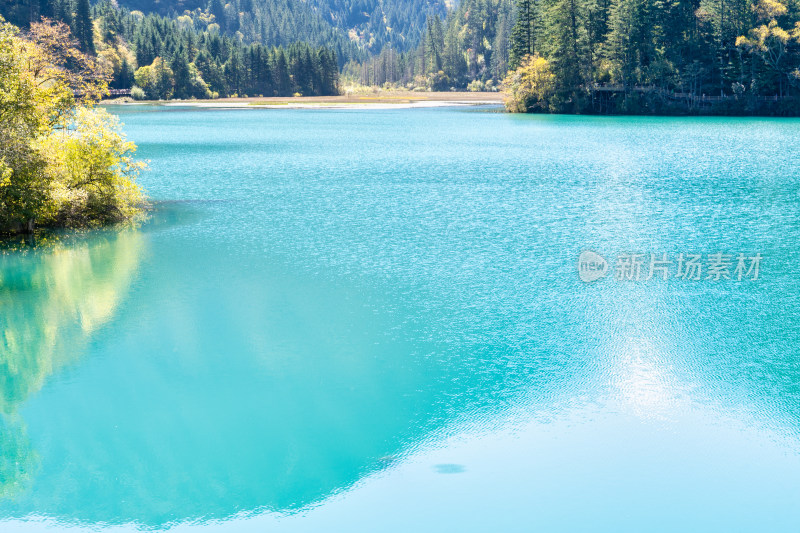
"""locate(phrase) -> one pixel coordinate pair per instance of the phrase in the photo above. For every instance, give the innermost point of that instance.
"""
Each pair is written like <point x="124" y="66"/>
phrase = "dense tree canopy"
<point x="170" y="58"/>
<point x="351" y="28"/>
<point x="637" y="56"/>
<point x="62" y="162"/>
<point x="470" y="47"/>
<point x="185" y="57"/>
<point x="347" y="26"/>
<point x="717" y="56"/>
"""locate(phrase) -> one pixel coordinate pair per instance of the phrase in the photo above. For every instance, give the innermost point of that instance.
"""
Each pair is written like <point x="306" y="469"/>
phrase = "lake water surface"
<point x="372" y="320"/>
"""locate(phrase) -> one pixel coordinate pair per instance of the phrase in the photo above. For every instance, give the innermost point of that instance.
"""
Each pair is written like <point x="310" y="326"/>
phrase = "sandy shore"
<point x="392" y="99"/>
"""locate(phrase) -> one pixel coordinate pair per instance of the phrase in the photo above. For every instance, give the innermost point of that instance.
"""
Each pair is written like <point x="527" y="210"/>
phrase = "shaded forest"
<point x="628" y="56"/>
<point x="576" y="56"/>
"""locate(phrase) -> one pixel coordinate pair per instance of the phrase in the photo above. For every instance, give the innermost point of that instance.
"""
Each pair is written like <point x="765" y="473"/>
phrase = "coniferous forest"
<point x="163" y="57"/>
<point x="629" y="56"/>
<point x="577" y="56"/>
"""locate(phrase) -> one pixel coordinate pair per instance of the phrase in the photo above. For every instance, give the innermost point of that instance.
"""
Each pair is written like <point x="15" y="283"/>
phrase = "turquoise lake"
<point x="372" y="320"/>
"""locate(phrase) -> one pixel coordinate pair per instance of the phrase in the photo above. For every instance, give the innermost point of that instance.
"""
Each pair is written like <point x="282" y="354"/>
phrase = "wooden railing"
<point x="687" y="97"/>
<point x="111" y="92"/>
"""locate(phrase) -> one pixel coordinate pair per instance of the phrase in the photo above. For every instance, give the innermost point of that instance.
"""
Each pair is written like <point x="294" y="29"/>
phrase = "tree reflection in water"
<point x="52" y="299"/>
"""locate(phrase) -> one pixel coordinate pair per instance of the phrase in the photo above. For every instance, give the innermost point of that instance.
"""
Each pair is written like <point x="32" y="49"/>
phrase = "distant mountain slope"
<point x="376" y="23"/>
<point x="367" y="24"/>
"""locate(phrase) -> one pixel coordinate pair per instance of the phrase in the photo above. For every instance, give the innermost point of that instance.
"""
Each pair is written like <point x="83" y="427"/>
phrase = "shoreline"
<point x="389" y="100"/>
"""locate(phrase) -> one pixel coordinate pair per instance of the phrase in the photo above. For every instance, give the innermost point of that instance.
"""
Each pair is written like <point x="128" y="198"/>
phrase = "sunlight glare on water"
<point x="372" y="320"/>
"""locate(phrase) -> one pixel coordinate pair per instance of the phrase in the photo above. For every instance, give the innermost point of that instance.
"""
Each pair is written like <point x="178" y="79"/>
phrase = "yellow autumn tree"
<point x="530" y="86"/>
<point x="92" y="171"/>
<point x="770" y="40"/>
<point x="157" y="80"/>
<point x="62" y="161"/>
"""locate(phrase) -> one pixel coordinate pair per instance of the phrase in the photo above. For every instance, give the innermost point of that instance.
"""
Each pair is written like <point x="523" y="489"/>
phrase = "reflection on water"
<point x="51" y="301"/>
<point x="375" y="327"/>
<point x="17" y="458"/>
<point x="247" y="385"/>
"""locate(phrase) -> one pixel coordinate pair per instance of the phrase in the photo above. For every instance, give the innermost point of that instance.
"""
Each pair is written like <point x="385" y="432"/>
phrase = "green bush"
<point x="137" y="93"/>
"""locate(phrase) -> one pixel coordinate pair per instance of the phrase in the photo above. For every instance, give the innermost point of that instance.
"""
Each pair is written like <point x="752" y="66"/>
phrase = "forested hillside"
<point x="352" y="28"/>
<point x="638" y="56"/>
<point x="379" y="23"/>
<point x="468" y="48"/>
<point x="717" y="56"/>
<point x="602" y="56"/>
<point x="370" y="24"/>
<point x="161" y="58"/>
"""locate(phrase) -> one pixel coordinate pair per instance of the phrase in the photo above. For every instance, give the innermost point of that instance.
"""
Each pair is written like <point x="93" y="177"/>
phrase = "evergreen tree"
<point x="181" y="74"/>
<point x="301" y="71"/>
<point x="82" y="27"/>
<point x="62" y="10"/>
<point x="566" y="44"/>
<point x="124" y="78"/>
<point x="216" y="8"/>
<point x="210" y="70"/>
<point x="283" y="83"/>
<point x="454" y="64"/>
<point x="163" y="79"/>
<point x="435" y="40"/>
<point x="500" y="46"/>
<point x="234" y="72"/>
<point x="523" y="34"/>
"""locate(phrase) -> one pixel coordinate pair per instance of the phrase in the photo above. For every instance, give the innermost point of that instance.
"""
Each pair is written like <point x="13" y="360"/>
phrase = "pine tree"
<point x="330" y="72"/>
<point x="454" y="64"/>
<point x="312" y="60"/>
<point x="623" y="40"/>
<point x="234" y="72"/>
<point x="124" y="79"/>
<point x="62" y="10"/>
<point x="499" y="62"/>
<point x="566" y="44"/>
<point x="523" y="34"/>
<point x="47" y="8"/>
<point x="82" y="26"/>
<point x="216" y="8"/>
<point x="283" y="83"/>
<point x="182" y="74"/>
<point x="434" y="40"/>
<point x="211" y="72"/>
